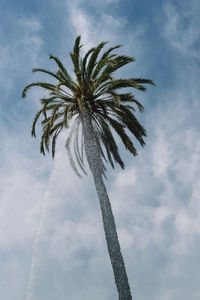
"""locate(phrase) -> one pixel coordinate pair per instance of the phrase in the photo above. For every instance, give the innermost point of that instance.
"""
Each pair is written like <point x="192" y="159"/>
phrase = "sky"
<point x="155" y="200"/>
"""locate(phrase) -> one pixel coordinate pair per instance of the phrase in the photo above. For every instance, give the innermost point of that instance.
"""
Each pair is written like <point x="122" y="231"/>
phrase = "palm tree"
<point x="92" y="103"/>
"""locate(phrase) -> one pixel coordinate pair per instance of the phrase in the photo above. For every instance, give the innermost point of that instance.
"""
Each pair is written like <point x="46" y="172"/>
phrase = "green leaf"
<point x="44" y="85"/>
<point x="35" y="121"/>
<point x="93" y="58"/>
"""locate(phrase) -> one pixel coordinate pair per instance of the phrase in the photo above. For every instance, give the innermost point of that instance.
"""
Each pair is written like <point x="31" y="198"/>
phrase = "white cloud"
<point x="181" y="30"/>
<point x="155" y="200"/>
<point x="72" y="233"/>
<point x="31" y="41"/>
<point x="157" y="211"/>
<point x="19" y="54"/>
<point x="30" y="24"/>
<point x="22" y="176"/>
<point x="126" y="178"/>
<point x="22" y="187"/>
<point x="94" y="30"/>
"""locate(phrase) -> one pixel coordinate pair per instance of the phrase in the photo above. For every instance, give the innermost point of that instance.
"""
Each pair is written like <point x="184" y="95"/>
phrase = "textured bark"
<point x="95" y="164"/>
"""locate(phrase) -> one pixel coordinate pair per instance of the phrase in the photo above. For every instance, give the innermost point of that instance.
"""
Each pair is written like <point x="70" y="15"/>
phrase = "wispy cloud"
<point x="155" y="200"/>
<point x="92" y="29"/>
<point x="180" y="28"/>
<point x="18" y="53"/>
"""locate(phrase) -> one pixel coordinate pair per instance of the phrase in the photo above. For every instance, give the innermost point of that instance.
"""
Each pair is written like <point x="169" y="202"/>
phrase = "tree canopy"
<point x="96" y="90"/>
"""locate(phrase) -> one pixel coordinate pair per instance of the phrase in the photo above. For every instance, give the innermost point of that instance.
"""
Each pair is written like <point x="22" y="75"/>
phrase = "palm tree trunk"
<point x="95" y="164"/>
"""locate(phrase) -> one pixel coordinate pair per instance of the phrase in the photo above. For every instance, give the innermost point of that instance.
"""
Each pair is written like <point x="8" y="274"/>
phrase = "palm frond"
<point x="127" y="97"/>
<point x="111" y="142"/>
<point x="92" y="60"/>
<point x="76" y="59"/>
<point x="61" y="67"/>
<point x="131" y="122"/>
<point x="124" y="83"/>
<point x="112" y="66"/>
<point x="142" y="80"/>
<point x="77" y="151"/>
<point x="44" y="85"/>
<point x="120" y="130"/>
<point x="58" y="130"/>
<point x="67" y="146"/>
<point x="105" y="54"/>
<point x="53" y="114"/>
<point x="35" y="121"/>
<point x="47" y="72"/>
<point x="84" y="62"/>
<point x="104" y="60"/>
<point x="77" y="45"/>
<point x="100" y="66"/>
<point x="46" y="101"/>
<point x="56" y="127"/>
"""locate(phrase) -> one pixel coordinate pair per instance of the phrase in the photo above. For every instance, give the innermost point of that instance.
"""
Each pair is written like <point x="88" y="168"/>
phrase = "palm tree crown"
<point x="96" y="91"/>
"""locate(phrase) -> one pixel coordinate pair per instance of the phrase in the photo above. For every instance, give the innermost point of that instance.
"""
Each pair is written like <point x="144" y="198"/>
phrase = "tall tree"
<point x="95" y="107"/>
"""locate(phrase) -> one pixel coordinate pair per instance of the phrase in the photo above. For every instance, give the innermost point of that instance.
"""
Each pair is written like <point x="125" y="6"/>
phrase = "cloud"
<point x="94" y="29"/>
<point x="72" y="236"/>
<point x="23" y="176"/>
<point x="22" y="186"/>
<point x="31" y="41"/>
<point x="103" y="26"/>
<point x="182" y="28"/>
<point x="18" y="53"/>
<point x="155" y="200"/>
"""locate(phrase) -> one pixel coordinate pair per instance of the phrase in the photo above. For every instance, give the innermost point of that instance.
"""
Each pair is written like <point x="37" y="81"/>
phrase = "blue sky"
<point x="155" y="199"/>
